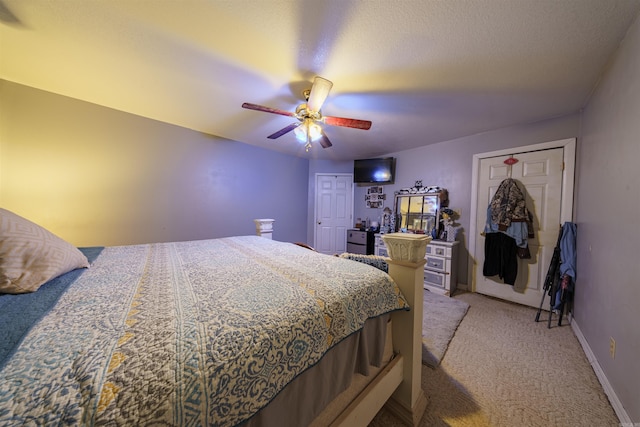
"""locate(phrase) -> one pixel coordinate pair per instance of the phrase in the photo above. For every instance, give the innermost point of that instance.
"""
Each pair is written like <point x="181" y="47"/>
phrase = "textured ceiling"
<point x="422" y="71"/>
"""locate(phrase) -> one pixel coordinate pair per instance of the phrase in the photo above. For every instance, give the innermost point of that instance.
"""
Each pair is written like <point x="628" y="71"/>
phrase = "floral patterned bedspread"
<point x="187" y="333"/>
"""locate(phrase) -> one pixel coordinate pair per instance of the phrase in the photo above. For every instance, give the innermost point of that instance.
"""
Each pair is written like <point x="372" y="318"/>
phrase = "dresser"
<point x="441" y="268"/>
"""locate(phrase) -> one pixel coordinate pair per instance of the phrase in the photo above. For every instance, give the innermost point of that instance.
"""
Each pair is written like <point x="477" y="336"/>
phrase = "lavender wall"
<point x="96" y="176"/>
<point x="608" y="285"/>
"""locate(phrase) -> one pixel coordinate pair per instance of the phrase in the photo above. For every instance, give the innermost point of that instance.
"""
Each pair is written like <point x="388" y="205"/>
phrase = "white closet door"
<point x="539" y="175"/>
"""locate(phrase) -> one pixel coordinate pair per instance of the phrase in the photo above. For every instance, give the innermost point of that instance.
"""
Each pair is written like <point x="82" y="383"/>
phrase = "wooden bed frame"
<point x="398" y="385"/>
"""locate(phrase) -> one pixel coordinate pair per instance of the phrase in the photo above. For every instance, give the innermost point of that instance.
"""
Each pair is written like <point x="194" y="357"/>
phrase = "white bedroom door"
<point x="539" y="175"/>
<point x="333" y="212"/>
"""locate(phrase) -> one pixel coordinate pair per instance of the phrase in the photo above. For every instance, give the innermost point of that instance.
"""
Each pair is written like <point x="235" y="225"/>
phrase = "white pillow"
<point x="30" y="255"/>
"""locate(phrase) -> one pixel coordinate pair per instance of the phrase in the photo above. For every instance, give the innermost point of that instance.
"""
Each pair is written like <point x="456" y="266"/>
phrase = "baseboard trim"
<point x="602" y="378"/>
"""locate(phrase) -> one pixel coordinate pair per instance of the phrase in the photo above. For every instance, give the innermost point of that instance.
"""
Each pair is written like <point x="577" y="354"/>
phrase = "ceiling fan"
<point x="308" y="128"/>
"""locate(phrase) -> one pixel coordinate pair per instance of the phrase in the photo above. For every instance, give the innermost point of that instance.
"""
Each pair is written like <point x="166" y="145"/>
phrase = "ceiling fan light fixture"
<point x="308" y="128"/>
<point x="315" y="131"/>
<point x="300" y="133"/>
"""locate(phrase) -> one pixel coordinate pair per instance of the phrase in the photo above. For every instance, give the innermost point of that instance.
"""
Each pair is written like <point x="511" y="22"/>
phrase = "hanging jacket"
<point x="508" y="227"/>
<point x="567" y="270"/>
<point x="508" y="213"/>
<point x="509" y="205"/>
<point x="519" y="231"/>
<point x="568" y="250"/>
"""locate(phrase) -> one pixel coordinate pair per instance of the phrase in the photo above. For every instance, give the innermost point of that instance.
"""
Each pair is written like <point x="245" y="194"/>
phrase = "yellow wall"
<point x="96" y="176"/>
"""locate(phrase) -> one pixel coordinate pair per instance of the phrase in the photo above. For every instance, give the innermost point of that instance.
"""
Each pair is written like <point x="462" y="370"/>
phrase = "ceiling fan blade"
<point x="257" y="107"/>
<point x="324" y="141"/>
<point x="319" y="92"/>
<point x="344" y="122"/>
<point x="284" y="130"/>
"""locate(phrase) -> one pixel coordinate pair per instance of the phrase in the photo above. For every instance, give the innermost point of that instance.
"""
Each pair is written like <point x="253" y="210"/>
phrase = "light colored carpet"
<point x="441" y="318"/>
<point x="503" y="369"/>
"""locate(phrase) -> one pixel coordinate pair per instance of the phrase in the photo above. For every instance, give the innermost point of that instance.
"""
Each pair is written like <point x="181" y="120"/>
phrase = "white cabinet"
<point x="441" y="268"/>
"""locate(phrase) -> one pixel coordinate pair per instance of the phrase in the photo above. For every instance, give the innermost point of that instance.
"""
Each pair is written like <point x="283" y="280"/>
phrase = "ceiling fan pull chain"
<point x="308" y="144"/>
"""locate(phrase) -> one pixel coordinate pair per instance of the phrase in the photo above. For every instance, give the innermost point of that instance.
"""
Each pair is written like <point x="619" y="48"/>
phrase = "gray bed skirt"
<point x="307" y="395"/>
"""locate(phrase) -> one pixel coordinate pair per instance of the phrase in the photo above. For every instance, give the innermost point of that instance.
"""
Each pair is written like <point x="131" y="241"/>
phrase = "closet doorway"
<point x="545" y="174"/>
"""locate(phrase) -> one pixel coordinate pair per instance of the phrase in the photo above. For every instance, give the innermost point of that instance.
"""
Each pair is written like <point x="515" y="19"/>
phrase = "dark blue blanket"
<point x="18" y="313"/>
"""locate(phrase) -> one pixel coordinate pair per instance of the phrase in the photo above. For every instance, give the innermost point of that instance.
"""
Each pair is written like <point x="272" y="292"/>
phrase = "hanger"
<point x="510" y="162"/>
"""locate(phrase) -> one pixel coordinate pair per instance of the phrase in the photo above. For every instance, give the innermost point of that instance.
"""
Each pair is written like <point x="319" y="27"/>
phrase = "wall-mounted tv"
<point x="374" y="171"/>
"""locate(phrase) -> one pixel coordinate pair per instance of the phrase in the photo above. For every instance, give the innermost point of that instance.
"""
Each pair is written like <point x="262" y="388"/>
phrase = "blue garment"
<point x="568" y="250"/>
<point x="519" y="231"/>
<point x="567" y="262"/>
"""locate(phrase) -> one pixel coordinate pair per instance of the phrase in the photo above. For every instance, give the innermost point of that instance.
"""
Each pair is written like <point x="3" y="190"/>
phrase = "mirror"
<point x="418" y="214"/>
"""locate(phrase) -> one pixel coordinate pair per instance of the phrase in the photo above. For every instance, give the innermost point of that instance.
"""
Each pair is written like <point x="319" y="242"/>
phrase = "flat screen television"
<point x="374" y="171"/>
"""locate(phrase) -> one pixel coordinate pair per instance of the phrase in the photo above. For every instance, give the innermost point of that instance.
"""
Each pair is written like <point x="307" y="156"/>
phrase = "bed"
<point x="231" y="331"/>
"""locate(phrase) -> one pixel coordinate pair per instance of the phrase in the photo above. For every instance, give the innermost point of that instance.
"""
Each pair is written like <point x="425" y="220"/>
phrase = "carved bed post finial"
<point x="406" y="267"/>
<point x="264" y="227"/>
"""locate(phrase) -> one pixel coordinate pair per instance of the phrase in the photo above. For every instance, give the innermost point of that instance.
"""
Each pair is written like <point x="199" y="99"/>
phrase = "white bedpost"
<point x="406" y="267"/>
<point x="264" y="227"/>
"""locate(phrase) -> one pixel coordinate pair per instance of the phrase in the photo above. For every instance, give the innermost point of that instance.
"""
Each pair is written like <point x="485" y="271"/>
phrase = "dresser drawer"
<point x="435" y="263"/>
<point x="439" y="250"/>
<point x="434" y="279"/>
